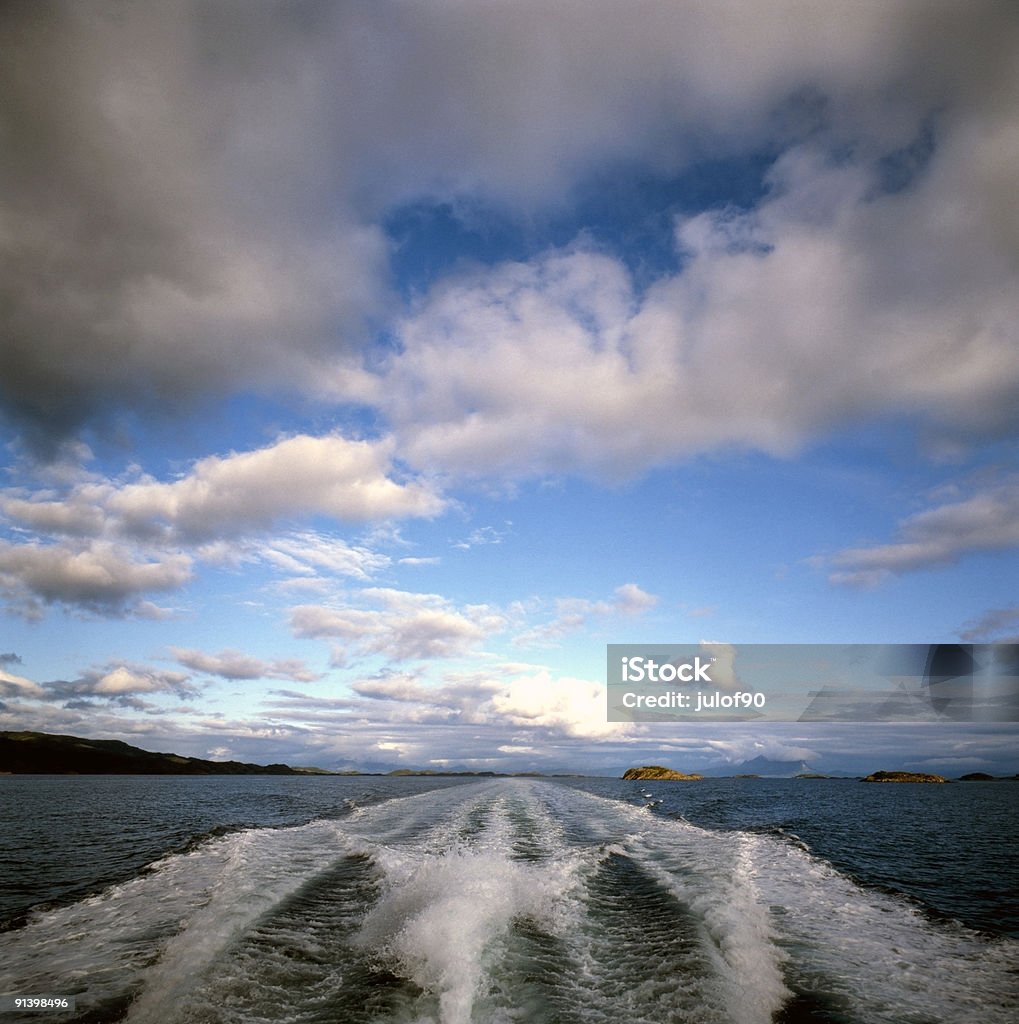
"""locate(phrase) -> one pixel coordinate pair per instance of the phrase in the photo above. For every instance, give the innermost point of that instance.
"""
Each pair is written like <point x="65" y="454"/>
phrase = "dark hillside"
<point x="39" y="753"/>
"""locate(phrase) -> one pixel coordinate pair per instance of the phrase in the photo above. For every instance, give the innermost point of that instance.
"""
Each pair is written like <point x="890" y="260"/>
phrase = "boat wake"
<point x="505" y="902"/>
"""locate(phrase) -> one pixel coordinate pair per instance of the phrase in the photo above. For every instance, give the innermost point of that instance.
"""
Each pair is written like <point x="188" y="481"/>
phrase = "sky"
<point x="367" y="367"/>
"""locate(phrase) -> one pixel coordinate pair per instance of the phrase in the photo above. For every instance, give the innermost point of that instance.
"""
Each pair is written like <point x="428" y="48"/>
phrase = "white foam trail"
<point x="156" y="933"/>
<point x="713" y="875"/>
<point x="742" y="941"/>
<point x="99" y="946"/>
<point x="262" y="867"/>
<point x="774" y="910"/>
<point x="479" y="879"/>
<point x="442" y="913"/>
<point x="882" y="957"/>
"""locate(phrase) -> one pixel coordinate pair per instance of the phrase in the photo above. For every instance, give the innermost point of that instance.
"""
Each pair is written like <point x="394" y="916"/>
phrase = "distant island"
<point x="40" y="753"/>
<point x="654" y="772"/>
<point x="903" y="777"/>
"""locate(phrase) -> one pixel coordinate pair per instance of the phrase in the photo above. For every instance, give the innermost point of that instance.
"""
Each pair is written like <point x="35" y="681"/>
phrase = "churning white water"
<point x="505" y="901"/>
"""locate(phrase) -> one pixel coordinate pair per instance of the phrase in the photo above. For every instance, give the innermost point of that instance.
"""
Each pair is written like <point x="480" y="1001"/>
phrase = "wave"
<point x="505" y="901"/>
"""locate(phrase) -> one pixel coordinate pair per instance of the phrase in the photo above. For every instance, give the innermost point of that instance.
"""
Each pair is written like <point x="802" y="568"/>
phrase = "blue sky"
<point x="368" y="367"/>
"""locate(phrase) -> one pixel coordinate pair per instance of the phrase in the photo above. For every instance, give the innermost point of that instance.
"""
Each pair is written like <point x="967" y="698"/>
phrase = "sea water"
<point x="510" y="901"/>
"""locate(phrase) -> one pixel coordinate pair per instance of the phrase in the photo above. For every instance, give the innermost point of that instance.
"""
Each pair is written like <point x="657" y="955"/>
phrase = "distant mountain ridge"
<point x="769" y="769"/>
<point x="40" y="753"/>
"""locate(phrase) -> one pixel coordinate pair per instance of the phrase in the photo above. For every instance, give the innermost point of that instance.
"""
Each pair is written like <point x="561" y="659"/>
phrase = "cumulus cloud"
<point x="194" y="202"/>
<point x="99" y="577"/>
<point x="122" y="539"/>
<point x="193" y="199"/>
<point x="773" y="748"/>
<point x="231" y="664"/>
<point x="403" y="625"/>
<point x="245" y="491"/>
<point x="459" y="700"/>
<point x="241" y="493"/>
<point x="566" y="705"/>
<point x="832" y="302"/>
<point x="724" y="672"/>
<point x="986" y="521"/>
<point x="19" y="686"/>
<point x="526" y="701"/>
<point x="74" y="517"/>
<point x="121" y="683"/>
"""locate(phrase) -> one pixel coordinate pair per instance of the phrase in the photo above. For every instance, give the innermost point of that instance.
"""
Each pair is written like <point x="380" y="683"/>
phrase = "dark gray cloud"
<point x="97" y="577"/>
<point x="141" y="266"/>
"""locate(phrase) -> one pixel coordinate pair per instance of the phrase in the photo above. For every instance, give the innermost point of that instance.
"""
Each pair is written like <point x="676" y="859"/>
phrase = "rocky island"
<point x="656" y="771"/>
<point x="903" y="777"/>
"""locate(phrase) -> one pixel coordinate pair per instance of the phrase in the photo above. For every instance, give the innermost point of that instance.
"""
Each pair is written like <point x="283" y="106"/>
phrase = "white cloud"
<point x="830" y="303"/>
<point x="74" y="518"/>
<point x="724" y="673"/>
<point x="747" y="748"/>
<point x="631" y="600"/>
<point x="573" y="613"/>
<point x="463" y="701"/>
<point x="986" y="521"/>
<point x="123" y="679"/>
<point x="308" y="553"/>
<point x="565" y="705"/>
<point x="295" y="476"/>
<point x="531" y="701"/>
<point x="483" y="535"/>
<point x="231" y="664"/>
<point x="19" y="686"/>
<point x="403" y="627"/>
<point x="121" y="540"/>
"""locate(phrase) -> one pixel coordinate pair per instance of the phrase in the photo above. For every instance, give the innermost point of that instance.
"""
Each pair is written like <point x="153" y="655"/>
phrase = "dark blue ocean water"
<point x="217" y="899"/>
